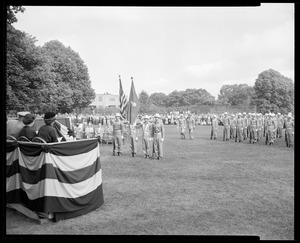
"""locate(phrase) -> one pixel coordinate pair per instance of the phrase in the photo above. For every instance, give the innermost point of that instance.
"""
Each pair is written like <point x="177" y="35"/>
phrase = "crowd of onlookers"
<point x="100" y="125"/>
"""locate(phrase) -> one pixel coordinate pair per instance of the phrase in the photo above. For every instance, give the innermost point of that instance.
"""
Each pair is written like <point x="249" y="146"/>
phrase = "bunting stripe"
<point x="54" y="178"/>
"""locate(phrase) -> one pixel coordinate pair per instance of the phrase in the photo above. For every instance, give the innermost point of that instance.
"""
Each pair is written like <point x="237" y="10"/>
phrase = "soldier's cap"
<point x="118" y="114"/>
<point x="244" y="113"/>
<point x="289" y="115"/>
<point x="146" y="117"/>
<point x="23" y="113"/>
<point x="225" y="113"/>
<point x="157" y="115"/>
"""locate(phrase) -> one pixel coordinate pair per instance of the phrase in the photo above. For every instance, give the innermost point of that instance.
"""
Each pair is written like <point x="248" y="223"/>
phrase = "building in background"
<point x="105" y="100"/>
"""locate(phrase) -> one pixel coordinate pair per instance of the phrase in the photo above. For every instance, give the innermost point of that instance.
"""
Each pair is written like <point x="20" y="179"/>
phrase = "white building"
<point x="105" y="100"/>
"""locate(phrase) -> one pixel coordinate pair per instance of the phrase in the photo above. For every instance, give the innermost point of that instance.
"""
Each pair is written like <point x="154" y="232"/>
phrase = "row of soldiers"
<point x="255" y="126"/>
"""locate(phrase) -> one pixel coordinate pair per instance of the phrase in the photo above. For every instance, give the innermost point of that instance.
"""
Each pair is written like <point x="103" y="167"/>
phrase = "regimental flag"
<point x="64" y="179"/>
<point x="133" y="104"/>
<point x="123" y="100"/>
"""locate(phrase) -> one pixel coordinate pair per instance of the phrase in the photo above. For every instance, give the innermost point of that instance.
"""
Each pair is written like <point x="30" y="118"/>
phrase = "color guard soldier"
<point x="146" y="138"/>
<point x="118" y="135"/>
<point x="133" y="138"/>
<point x="158" y="134"/>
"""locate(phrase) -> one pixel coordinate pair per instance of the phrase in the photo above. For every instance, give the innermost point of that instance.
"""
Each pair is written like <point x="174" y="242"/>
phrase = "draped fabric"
<point x="60" y="178"/>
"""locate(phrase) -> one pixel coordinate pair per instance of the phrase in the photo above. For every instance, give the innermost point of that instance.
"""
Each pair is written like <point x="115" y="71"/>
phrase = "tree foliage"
<point x="274" y="92"/>
<point x="11" y="12"/>
<point x="51" y="77"/>
<point x="23" y="61"/>
<point x="144" y="101"/>
<point x="236" y="94"/>
<point x="70" y="83"/>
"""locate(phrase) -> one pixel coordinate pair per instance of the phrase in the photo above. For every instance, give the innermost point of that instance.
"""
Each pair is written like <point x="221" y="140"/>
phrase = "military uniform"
<point x="133" y="138"/>
<point x="214" y="128"/>
<point x="279" y="125"/>
<point x="190" y="124"/>
<point x="245" y="128"/>
<point x="226" y="128"/>
<point x="181" y="126"/>
<point x="146" y="140"/>
<point x="232" y="123"/>
<point x="271" y="128"/>
<point x="289" y="132"/>
<point x="253" y="129"/>
<point x="158" y="134"/>
<point x="239" y="128"/>
<point x="118" y="136"/>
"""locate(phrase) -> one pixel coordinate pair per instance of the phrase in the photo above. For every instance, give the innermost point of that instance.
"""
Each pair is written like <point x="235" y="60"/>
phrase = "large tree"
<point x="70" y="85"/>
<point x="236" y="94"/>
<point x="274" y="92"/>
<point x="158" y="99"/>
<point x="23" y="68"/>
<point x="144" y="101"/>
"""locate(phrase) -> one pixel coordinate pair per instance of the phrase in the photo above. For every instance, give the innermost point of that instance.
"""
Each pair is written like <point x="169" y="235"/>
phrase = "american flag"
<point x="123" y="100"/>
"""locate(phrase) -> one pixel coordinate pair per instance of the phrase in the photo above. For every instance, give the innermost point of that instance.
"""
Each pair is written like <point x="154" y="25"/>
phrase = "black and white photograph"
<point x="150" y="121"/>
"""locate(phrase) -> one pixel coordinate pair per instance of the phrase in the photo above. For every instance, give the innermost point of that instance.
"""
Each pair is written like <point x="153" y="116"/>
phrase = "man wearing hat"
<point x="28" y="131"/>
<point x="232" y="123"/>
<point x="271" y="128"/>
<point x="279" y="125"/>
<point x="253" y="129"/>
<point x="13" y="127"/>
<point x="158" y="134"/>
<point x="190" y="124"/>
<point x="47" y="131"/>
<point x="181" y="126"/>
<point x="245" y="127"/>
<point x="226" y="127"/>
<point x="239" y="128"/>
<point x="118" y="130"/>
<point x="146" y="139"/>
<point x="214" y="127"/>
<point x="289" y="131"/>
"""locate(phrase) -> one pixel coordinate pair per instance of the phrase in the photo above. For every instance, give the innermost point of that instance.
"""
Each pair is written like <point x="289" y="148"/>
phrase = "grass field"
<point x="201" y="187"/>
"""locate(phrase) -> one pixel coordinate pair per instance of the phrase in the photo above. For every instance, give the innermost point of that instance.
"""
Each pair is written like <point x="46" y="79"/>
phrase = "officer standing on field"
<point x="118" y="135"/>
<point x="214" y="127"/>
<point x="158" y="134"/>
<point x="190" y="123"/>
<point x="181" y="126"/>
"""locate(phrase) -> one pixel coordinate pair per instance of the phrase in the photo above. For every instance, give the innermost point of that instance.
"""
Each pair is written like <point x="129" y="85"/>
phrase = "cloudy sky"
<point x="170" y="48"/>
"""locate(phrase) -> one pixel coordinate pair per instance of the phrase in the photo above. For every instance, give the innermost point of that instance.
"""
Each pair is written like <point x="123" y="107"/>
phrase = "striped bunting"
<point x="61" y="178"/>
